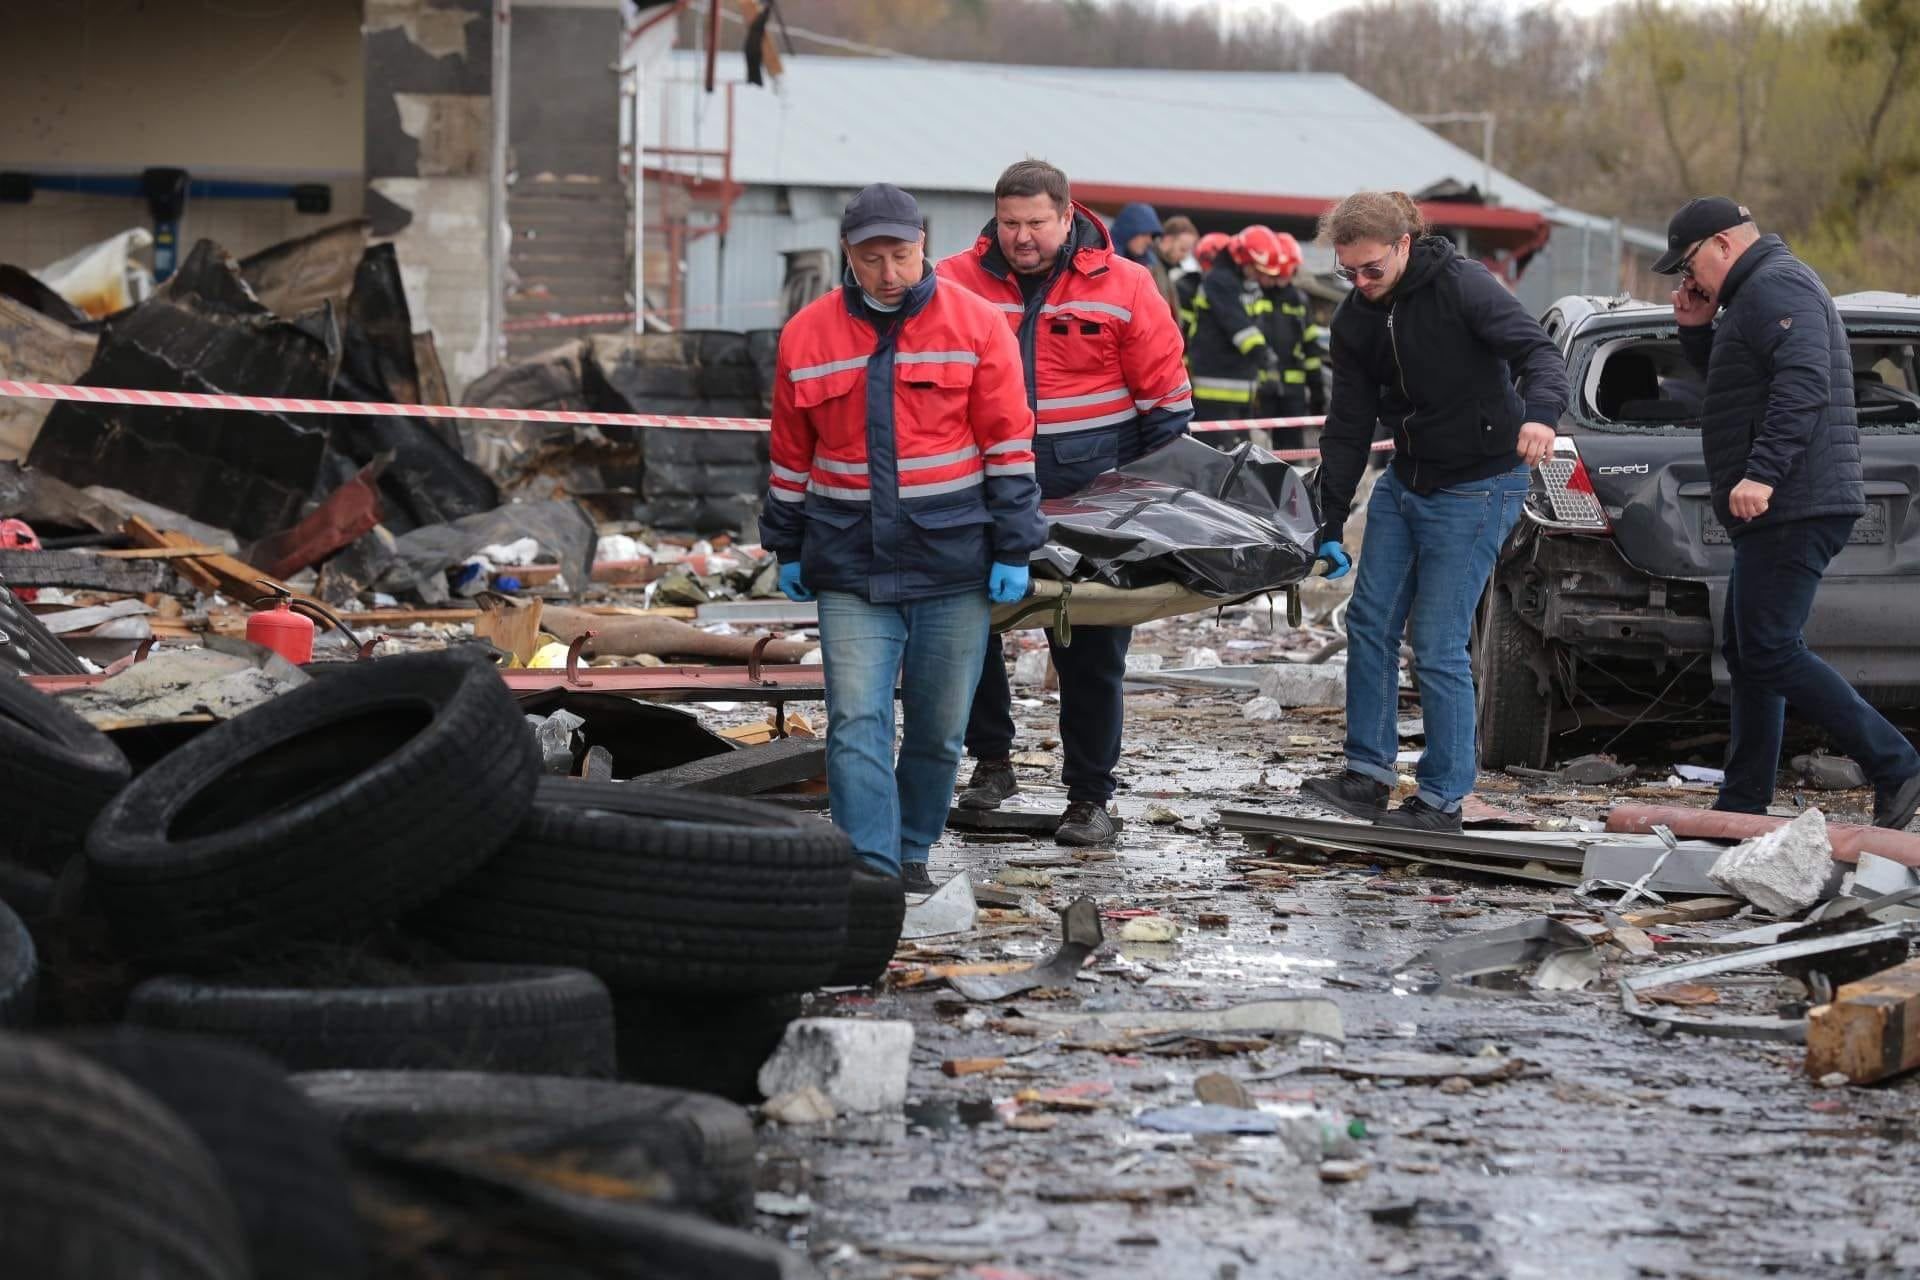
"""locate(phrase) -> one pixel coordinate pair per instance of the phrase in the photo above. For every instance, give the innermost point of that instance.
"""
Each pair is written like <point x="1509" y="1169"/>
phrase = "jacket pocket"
<point x="948" y="545"/>
<point x="1077" y="342"/>
<point x="929" y="396"/>
<point x="1068" y="463"/>
<point x="838" y="547"/>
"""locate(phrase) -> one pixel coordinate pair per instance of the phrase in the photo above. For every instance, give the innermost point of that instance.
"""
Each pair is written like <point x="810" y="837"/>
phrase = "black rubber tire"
<point x="325" y="813"/>
<point x="657" y="890"/>
<point x="60" y="773"/>
<point x="716" y="1044"/>
<point x="19" y="966"/>
<point x="99" y="1179"/>
<point x="465" y="1017"/>
<point x="1511" y="711"/>
<point x="876" y="908"/>
<point x="27" y="891"/>
<point x="703" y="1145"/>
<point x="280" y="1157"/>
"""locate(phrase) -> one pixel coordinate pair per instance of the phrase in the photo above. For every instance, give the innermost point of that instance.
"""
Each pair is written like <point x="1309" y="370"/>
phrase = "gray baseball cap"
<point x="881" y="210"/>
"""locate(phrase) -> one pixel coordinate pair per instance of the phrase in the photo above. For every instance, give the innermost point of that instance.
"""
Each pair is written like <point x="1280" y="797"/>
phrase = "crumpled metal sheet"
<point x="27" y="648"/>
<point x="1224" y="524"/>
<point x="422" y="556"/>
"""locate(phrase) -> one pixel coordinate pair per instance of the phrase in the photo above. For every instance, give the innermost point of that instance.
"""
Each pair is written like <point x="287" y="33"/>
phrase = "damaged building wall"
<point x="428" y="84"/>
<point x="270" y="96"/>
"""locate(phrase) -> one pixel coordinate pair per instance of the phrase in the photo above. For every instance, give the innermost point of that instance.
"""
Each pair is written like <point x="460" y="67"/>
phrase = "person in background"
<point x="1781" y="438"/>
<point x="1168" y="260"/>
<point x="1300" y="388"/>
<point x="1187" y="287"/>
<point x="903" y="498"/>
<point x="1135" y="228"/>
<point x="1104" y="375"/>
<point x="1471" y="385"/>
<point x="1227" y="349"/>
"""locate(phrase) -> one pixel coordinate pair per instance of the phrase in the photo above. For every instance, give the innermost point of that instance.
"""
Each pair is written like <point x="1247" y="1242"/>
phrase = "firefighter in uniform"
<point x="1228" y="353"/>
<point x="1187" y="287"/>
<point x="1104" y="375"/>
<point x="903" y="497"/>
<point x="1298" y="388"/>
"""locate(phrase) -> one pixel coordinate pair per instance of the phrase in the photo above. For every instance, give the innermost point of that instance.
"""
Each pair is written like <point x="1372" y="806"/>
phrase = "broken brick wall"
<point x="428" y="69"/>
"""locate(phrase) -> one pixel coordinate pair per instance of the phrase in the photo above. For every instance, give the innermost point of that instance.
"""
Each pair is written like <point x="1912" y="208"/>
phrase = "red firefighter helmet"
<point x="1290" y="256"/>
<point x="1208" y="247"/>
<point x="1265" y="249"/>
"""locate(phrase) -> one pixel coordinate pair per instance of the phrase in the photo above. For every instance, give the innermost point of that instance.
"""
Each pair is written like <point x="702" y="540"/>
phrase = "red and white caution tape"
<point x="557" y="321"/>
<point x="472" y="413"/>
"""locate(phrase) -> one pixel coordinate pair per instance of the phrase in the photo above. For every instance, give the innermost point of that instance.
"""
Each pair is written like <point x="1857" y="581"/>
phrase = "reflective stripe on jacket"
<point x="1227" y="350"/>
<point x="1100" y="350"/>
<point x="902" y="446"/>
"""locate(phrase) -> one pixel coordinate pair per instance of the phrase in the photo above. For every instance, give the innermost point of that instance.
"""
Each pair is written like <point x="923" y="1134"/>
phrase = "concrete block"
<point x="1782" y="872"/>
<point x="859" y="1065"/>
<point x="1320" y="684"/>
<point x="1030" y="668"/>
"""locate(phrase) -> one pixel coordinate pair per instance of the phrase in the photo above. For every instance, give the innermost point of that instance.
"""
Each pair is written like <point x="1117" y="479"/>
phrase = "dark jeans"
<point x="1092" y="706"/>
<point x="1776" y="571"/>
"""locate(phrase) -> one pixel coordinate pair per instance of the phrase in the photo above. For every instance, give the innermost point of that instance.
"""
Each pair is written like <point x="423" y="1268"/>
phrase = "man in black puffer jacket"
<point x="1782" y="445"/>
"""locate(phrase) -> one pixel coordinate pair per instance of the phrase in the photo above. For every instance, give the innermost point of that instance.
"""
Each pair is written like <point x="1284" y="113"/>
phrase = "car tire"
<point x="657" y="890"/>
<point x="28" y="891"/>
<point x="60" y="772"/>
<point x="462" y="1017"/>
<point x="1512" y="712"/>
<point x="876" y="909"/>
<point x="97" y="1178"/>
<point x="716" y="1044"/>
<point x="702" y="1145"/>
<point x="324" y="813"/>
<point x="19" y="966"/>
<point x="279" y="1156"/>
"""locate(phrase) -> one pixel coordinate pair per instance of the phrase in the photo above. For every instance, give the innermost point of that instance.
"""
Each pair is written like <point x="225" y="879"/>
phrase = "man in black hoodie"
<point x="1430" y="343"/>
<point x="1782" y="445"/>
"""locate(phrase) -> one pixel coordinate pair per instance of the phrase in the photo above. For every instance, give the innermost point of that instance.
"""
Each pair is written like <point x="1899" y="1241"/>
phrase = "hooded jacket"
<point x="1101" y="352"/>
<point x="1779" y="405"/>
<point x="902" y="446"/>
<point x="1452" y="363"/>
<point x="1134" y="220"/>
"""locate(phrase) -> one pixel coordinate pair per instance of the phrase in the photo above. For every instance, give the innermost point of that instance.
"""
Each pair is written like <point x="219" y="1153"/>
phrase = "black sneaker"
<point x="1351" y="793"/>
<point x="913" y="875"/>
<point x="1415" y="814"/>
<point x="992" y="782"/>
<point x="1897" y="810"/>
<point x="1085" y="824"/>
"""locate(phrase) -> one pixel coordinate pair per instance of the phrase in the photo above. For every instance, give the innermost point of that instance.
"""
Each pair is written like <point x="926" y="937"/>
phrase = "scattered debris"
<point x="1300" y="1015"/>
<point x="805" y="1105"/>
<point x="947" y="911"/>
<point x="1870" y="1030"/>
<point x="1149" y="929"/>
<point x="1543" y="954"/>
<point x="1422" y="1067"/>
<point x="1220" y="1090"/>
<point x="1823" y="772"/>
<point x="222" y="679"/>
<point x="1080" y="938"/>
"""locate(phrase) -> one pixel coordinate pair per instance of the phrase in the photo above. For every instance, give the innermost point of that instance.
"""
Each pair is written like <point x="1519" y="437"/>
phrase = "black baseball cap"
<point x="1698" y="218"/>
<point x="881" y="210"/>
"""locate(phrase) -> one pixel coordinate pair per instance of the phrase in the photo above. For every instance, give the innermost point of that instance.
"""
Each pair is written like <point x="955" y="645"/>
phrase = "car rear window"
<point x="1645" y="382"/>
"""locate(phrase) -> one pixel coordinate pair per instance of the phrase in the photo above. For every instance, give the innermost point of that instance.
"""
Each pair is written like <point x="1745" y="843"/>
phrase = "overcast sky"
<point x="1314" y="10"/>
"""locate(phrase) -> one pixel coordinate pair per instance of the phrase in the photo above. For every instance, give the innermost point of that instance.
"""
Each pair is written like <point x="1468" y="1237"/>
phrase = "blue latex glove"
<point x="1007" y="583"/>
<point x="1336" y="557"/>
<point x="791" y="586"/>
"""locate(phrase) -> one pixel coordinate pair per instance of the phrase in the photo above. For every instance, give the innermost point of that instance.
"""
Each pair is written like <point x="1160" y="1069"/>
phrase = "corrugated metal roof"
<point x="953" y="126"/>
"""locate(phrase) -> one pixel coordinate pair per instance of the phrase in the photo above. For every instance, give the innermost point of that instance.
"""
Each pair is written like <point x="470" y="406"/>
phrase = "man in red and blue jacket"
<point x="903" y="497"/>
<point x="1105" y="373"/>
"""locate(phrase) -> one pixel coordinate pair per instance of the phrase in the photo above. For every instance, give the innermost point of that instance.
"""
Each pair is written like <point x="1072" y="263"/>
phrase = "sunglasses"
<point x="1374" y="270"/>
<point x="1685" y="269"/>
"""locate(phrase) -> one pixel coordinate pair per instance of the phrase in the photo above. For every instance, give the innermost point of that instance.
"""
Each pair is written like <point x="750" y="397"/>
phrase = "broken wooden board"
<point x="1691" y="911"/>
<point x="231" y="577"/>
<point x="513" y="626"/>
<point x="1871" y="1030"/>
<point x="748" y="771"/>
<point x="88" y="570"/>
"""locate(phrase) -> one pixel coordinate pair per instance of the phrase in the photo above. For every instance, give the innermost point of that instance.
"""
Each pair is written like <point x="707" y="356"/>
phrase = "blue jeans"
<point x="1426" y="560"/>
<point x="1776" y="571"/>
<point x="894" y="814"/>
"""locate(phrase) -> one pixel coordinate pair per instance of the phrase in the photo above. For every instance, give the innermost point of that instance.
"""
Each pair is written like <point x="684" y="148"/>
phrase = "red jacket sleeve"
<point x="1003" y="430"/>
<point x="783" y="516"/>
<point x="1153" y="361"/>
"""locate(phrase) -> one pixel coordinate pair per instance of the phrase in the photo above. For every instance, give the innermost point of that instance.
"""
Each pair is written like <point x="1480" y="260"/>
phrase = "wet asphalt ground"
<point x="1603" y="1151"/>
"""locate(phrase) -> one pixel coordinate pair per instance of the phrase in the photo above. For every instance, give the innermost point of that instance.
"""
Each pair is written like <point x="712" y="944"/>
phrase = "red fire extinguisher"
<point x="286" y="628"/>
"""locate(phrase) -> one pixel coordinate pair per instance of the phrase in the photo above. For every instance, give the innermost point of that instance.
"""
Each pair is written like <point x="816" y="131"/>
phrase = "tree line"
<point x="1807" y="112"/>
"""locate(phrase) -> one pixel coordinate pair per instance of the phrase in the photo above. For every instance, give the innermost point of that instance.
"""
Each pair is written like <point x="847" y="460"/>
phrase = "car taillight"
<point x="1569" y="491"/>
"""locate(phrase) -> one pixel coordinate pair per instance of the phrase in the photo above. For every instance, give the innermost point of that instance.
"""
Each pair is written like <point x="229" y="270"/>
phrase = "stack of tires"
<point x="367" y="882"/>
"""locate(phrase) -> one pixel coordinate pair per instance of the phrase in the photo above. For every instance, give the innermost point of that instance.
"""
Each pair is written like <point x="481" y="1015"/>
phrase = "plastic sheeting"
<point x="1223" y="524"/>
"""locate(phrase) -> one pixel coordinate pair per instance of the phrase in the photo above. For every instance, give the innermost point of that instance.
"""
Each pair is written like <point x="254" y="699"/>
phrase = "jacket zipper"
<point x="1393" y="340"/>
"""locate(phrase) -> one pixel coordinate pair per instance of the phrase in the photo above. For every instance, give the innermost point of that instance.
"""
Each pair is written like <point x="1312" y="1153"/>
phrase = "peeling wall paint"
<point x="442" y="33"/>
<point x="452" y="130"/>
<point x="443" y="265"/>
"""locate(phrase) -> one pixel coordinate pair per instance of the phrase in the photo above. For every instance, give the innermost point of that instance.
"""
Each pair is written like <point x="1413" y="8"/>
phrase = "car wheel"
<point x="60" y="771"/>
<point x="19" y="967"/>
<point x="1511" y="710"/>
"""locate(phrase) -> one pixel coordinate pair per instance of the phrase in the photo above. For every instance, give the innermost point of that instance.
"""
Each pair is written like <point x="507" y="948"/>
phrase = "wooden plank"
<point x="1690" y="911"/>
<point x="84" y="569"/>
<point x="1871" y="1031"/>
<point x="235" y="579"/>
<point x="513" y="626"/>
<point x="157" y="553"/>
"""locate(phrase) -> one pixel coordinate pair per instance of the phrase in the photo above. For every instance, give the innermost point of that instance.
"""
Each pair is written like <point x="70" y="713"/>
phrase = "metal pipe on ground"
<point x="1849" y="840"/>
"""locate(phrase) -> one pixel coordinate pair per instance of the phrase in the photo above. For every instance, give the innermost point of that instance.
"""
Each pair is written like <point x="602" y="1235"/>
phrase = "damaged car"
<point x="1607" y="605"/>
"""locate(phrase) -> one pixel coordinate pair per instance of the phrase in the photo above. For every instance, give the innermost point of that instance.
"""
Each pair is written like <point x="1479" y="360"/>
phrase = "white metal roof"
<point x="953" y="126"/>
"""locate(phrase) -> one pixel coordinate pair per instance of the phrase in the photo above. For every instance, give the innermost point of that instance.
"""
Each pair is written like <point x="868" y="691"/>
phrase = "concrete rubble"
<point x="858" y="1066"/>
<point x="1783" y="871"/>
